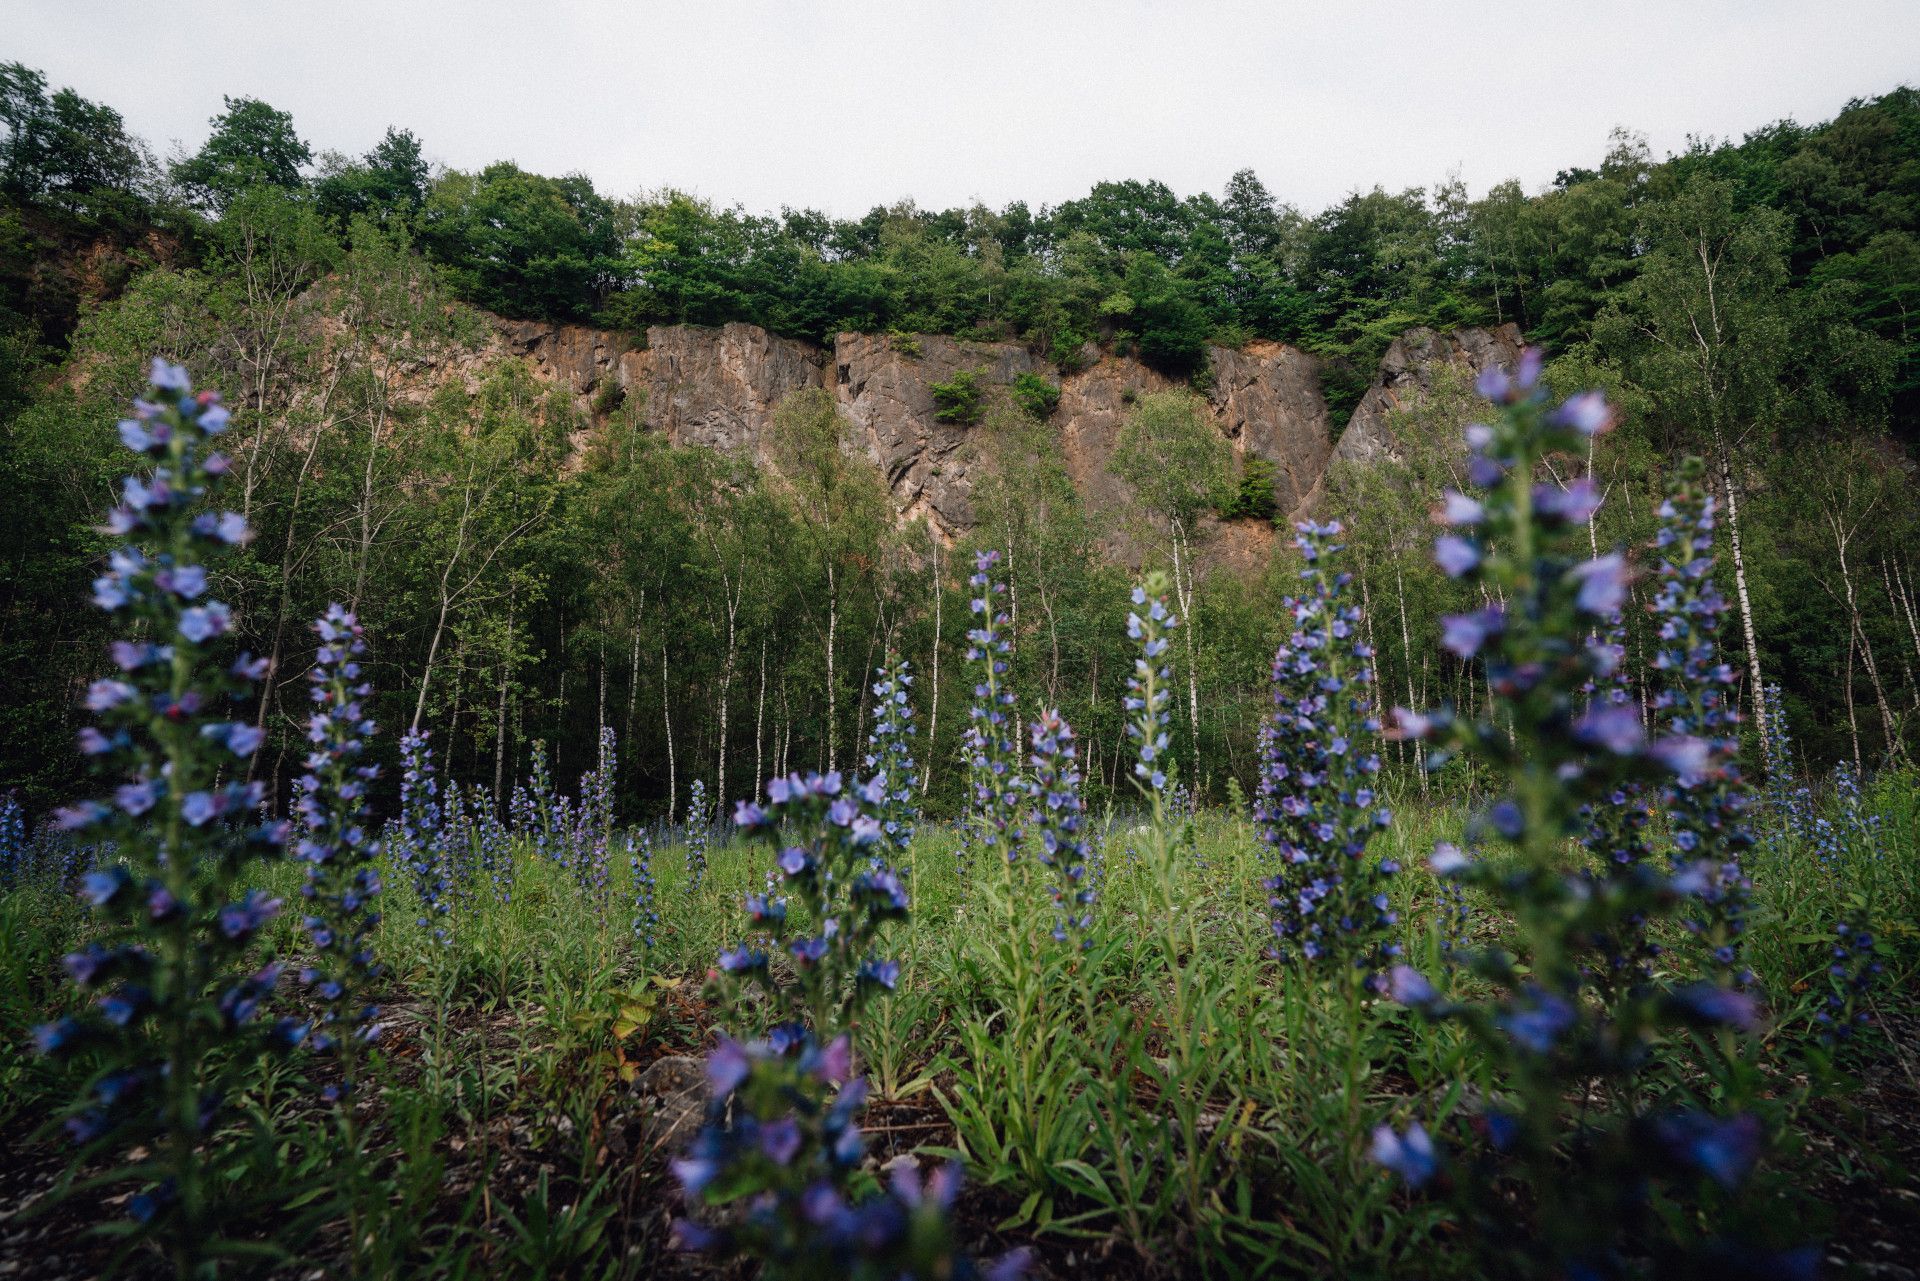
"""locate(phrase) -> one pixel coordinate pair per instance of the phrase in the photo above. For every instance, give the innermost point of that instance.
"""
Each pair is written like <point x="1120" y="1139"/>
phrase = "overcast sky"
<point x="842" y="105"/>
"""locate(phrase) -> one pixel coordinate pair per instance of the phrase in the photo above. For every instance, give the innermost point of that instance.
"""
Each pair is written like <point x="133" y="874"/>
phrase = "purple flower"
<point x="1458" y="509"/>
<point x="169" y="377"/>
<point x="1410" y="988"/>
<point x="1455" y="555"/>
<point x="1411" y="1156"/>
<point x="1586" y="412"/>
<point x="1448" y="859"/>
<point x="1713" y="1005"/>
<point x="1612" y="726"/>
<point x="1463" y="634"/>
<point x="1603" y="585"/>
<point x="1725" y="1151"/>
<point x="727" y="1067"/>
<point x="197" y="808"/>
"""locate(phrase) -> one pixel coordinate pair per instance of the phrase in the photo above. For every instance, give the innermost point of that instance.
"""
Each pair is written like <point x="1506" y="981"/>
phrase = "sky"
<point x="839" y="105"/>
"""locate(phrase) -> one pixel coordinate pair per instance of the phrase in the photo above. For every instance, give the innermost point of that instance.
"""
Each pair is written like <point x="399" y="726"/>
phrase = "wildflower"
<point x="1056" y="814"/>
<point x="993" y="757"/>
<point x="343" y="862"/>
<point x="698" y="832"/>
<point x="640" y="859"/>
<point x="173" y="1013"/>
<point x="1411" y="1156"/>
<point x="889" y="760"/>
<point x="1318" y="807"/>
<point x="1565" y="754"/>
<point x="1706" y="800"/>
<point x="420" y="835"/>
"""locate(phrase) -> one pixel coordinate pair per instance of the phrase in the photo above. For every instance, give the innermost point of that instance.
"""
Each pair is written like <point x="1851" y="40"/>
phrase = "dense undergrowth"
<point x="507" y="1139"/>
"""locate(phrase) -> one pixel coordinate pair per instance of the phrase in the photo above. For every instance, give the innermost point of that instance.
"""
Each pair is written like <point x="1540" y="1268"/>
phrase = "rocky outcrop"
<point x="719" y="388"/>
<point x="1269" y="401"/>
<point x="1407" y="373"/>
<point x="887" y="390"/>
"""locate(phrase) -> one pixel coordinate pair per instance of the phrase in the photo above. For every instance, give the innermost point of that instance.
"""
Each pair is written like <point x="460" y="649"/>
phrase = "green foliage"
<point x="521" y="244"/>
<point x="63" y="149"/>
<point x="387" y="185"/>
<point x="958" y="400"/>
<point x="1174" y="457"/>
<point x="1253" y="498"/>
<point x="1036" y="394"/>
<point x="252" y="145"/>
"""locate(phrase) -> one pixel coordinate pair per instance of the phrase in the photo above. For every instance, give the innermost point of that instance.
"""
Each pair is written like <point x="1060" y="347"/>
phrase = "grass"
<point x="1167" y="1101"/>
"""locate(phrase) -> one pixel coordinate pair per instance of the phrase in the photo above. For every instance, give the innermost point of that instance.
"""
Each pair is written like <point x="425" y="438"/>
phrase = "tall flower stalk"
<point x="1707" y="801"/>
<point x="782" y="1137"/>
<point x="1569" y="1130"/>
<point x="342" y="888"/>
<point x="422" y="840"/>
<point x="1058" y="817"/>
<point x="992" y="744"/>
<point x="890" y="752"/>
<point x="1319" y="804"/>
<point x="699" y="832"/>
<point x="175" y="1010"/>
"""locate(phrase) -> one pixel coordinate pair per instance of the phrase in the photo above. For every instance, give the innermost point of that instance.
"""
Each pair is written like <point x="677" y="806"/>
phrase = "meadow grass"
<point x="1242" y="1150"/>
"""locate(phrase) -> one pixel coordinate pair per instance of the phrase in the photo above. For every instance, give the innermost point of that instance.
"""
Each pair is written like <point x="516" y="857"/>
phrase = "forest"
<point x="1669" y="630"/>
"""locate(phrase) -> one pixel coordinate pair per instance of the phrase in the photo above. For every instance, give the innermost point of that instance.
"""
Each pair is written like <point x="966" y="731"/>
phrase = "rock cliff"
<point x="719" y="387"/>
<point x="1407" y="372"/>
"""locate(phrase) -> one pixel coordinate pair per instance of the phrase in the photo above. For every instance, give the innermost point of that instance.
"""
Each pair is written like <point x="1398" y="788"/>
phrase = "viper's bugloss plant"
<point x="699" y="834"/>
<point x="646" y="916"/>
<point x="890" y="752"/>
<point x="421" y="838"/>
<point x="1706" y="802"/>
<point x="594" y="825"/>
<point x="1611" y="1173"/>
<point x="13" y="843"/>
<point x="1617" y="831"/>
<point x="781" y="1138"/>
<point x="174" y="1017"/>
<point x="992" y="743"/>
<point x="1789" y="802"/>
<point x="1058" y="817"/>
<point x="825" y="833"/>
<point x="1150" y="688"/>
<point x="1319" y="806"/>
<point x="782" y="1141"/>
<point x="342" y="888"/>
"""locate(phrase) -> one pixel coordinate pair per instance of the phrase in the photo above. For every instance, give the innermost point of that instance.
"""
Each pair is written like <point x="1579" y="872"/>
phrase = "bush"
<point x="958" y="400"/>
<point x="1254" y="496"/>
<point x="1036" y="395"/>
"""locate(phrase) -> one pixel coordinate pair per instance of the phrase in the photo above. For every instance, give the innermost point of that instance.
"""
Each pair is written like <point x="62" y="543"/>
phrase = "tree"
<point x="62" y="149"/>
<point x="388" y="184"/>
<point x="252" y="145"/>
<point x="1704" y="331"/>
<point x="1176" y="461"/>
<point x="522" y="244"/>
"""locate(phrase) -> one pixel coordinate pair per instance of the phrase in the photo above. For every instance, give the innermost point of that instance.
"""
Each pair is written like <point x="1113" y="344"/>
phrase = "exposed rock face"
<point x="1407" y="373"/>
<point x="719" y="388"/>
<point x="888" y="393"/>
<point x="1268" y="397"/>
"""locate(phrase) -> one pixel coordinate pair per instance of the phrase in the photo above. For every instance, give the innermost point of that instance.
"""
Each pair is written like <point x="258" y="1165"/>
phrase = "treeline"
<point x="530" y="572"/>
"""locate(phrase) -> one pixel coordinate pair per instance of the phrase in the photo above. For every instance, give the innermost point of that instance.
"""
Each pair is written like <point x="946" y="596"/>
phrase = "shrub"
<point x="959" y="399"/>
<point x="1036" y="395"/>
<point x="1254" y="496"/>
